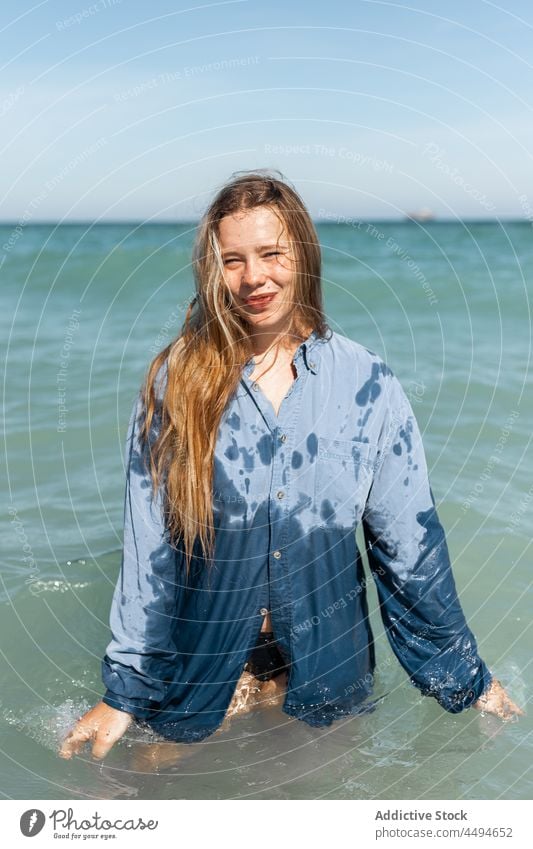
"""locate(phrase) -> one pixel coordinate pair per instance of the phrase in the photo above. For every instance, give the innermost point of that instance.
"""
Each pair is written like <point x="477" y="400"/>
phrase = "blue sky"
<point x="124" y="110"/>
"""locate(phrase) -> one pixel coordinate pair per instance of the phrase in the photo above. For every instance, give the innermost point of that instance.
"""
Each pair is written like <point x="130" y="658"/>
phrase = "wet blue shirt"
<point x="289" y="491"/>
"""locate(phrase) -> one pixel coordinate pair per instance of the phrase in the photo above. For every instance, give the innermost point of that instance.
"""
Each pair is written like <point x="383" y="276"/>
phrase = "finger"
<point x="73" y="744"/>
<point x="511" y="709"/>
<point x="70" y="743"/>
<point x="515" y="708"/>
<point x="74" y="741"/>
<point x="104" y="741"/>
<point x="502" y="707"/>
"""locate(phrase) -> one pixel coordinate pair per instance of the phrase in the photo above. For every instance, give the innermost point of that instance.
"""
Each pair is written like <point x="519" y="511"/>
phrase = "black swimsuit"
<point x="265" y="661"/>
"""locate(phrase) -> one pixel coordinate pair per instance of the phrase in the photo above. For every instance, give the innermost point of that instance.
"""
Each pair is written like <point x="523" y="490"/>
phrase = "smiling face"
<point x="259" y="268"/>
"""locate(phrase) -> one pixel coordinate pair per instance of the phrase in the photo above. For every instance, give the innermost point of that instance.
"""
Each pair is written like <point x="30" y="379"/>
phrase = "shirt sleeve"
<point x="139" y="659"/>
<point x="409" y="560"/>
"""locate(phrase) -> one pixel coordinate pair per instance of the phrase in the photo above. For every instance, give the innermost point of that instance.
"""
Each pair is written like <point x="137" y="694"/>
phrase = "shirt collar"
<point x="308" y="351"/>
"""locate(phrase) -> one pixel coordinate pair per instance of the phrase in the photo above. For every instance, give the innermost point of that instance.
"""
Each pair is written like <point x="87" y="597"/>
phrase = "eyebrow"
<point x="260" y="248"/>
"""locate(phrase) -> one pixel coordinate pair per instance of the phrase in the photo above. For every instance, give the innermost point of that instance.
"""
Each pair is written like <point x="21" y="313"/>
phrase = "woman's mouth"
<point x="260" y="301"/>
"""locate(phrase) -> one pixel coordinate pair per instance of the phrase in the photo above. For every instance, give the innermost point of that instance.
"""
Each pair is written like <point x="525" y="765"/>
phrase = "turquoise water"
<point x="84" y="309"/>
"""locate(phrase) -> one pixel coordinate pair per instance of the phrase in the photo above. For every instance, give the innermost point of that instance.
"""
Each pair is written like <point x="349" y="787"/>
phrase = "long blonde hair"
<point x="204" y="363"/>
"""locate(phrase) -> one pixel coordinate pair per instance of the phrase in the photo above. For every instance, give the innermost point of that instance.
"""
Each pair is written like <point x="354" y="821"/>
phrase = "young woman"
<point x="258" y="443"/>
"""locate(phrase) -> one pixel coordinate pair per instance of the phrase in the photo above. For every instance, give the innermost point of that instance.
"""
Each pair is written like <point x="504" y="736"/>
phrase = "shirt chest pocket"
<point x="343" y="477"/>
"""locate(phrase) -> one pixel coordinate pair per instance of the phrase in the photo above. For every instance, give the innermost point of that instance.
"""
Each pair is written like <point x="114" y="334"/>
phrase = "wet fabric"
<point x="289" y="492"/>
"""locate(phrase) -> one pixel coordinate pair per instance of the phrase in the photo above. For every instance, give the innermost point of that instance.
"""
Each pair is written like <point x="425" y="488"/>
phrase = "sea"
<point x="84" y="309"/>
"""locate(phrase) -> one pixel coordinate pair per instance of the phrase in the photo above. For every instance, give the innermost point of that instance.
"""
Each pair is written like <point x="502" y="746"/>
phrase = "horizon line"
<point x="345" y="220"/>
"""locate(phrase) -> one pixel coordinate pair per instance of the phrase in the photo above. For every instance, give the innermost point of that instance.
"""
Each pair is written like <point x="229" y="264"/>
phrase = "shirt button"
<point x="280" y="495"/>
<point x="283" y="437"/>
<point x="263" y="611"/>
<point x="255" y="387"/>
<point x="277" y="554"/>
<point x="312" y="365"/>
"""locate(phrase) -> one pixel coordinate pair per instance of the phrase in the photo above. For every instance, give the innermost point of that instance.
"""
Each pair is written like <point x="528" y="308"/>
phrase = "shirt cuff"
<point x="458" y="700"/>
<point x="140" y="708"/>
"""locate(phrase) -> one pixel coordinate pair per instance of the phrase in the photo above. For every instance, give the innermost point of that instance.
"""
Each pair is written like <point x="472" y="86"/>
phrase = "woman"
<point x="258" y="443"/>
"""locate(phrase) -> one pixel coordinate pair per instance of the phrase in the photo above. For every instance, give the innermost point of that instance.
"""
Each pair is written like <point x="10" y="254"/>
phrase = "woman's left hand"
<point x="495" y="700"/>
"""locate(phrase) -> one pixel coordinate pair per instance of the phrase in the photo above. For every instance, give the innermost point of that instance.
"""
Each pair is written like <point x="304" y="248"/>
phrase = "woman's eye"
<point x="233" y="260"/>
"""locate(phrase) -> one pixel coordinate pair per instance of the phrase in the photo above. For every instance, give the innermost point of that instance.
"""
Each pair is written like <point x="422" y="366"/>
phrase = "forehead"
<point x="251" y="228"/>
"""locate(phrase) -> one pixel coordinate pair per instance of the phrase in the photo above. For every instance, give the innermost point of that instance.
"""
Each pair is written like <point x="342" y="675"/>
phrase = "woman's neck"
<point x="264" y="342"/>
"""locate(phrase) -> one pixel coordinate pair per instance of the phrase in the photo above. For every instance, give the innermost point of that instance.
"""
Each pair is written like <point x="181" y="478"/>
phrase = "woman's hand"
<point x="102" y="724"/>
<point x="495" y="700"/>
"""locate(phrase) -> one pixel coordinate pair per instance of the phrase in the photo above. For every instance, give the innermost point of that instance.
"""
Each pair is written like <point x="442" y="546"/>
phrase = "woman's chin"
<point x="268" y="320"/>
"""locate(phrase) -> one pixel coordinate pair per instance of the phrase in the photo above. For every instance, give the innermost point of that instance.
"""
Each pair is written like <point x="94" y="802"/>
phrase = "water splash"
<point x="48" y="725"/>
<point x="57" y="586"/>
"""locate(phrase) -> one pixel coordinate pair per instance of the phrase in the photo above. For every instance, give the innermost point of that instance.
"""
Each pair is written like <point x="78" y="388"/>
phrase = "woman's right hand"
<point x="495" y="700"/>
<point x="102" y="724"/>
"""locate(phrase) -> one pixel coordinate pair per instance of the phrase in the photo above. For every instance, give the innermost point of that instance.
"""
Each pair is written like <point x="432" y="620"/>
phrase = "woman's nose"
<point x="253" y="272"/>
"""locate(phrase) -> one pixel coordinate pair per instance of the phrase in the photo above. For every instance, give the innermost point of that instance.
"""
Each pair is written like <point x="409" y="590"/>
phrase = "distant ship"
<point x="423" y="214"/>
